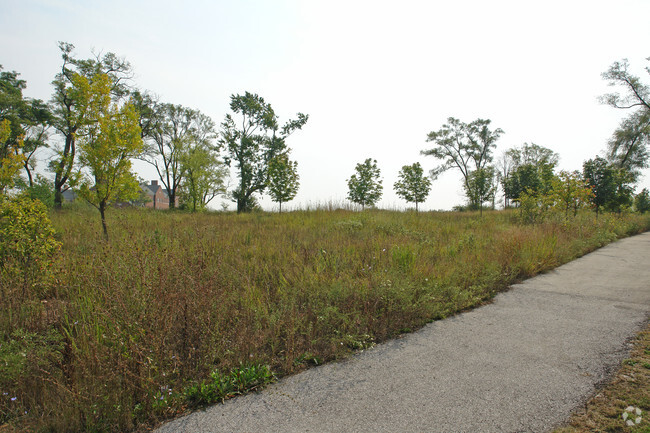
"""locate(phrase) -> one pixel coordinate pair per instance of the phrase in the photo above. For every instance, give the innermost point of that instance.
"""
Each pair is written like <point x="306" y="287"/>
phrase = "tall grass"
<point x="130" y="332"/>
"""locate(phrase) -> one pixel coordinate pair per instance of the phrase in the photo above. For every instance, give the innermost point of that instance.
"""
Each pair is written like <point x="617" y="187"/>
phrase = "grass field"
<point x="180" y="310"/>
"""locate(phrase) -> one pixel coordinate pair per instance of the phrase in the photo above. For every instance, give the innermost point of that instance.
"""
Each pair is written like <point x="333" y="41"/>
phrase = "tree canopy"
<point x="465" y="146"/>
<point x="412" y="185"/>
<point x="253" y="144"/>
<point x="106" y="146"/>
<point x="283" y="179"/>
<point x="70" y="115"/>
<point x="364" y="187"/>
<point x="628" y="146"/>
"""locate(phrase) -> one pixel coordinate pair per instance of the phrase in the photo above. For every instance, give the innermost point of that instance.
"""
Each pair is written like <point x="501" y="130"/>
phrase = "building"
<point x="158" y="197"/>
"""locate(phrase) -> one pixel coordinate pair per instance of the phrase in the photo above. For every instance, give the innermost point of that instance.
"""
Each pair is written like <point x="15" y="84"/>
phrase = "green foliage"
<point x="42" y="189"/>
<point x="220" y="387"/>
<point x="465" y="146"/>
<point x="628" y="147"/>
<point x="106" y="147"/>
<point x="283" y="179"/>
<point x="258" y="141"/>
<point x="27" y="246"/>
<point x="480" y="186"/>
<point x="204" y="176"/>
<point x="610" y="185"/>
<point x="180" y="142"/>
<point x="412" y="185"/>
<point x="528" y="169"/>
<point x="569" y="192"/>
<point x="365" y="185"/>
<point x="70" y="109"/>
<point x="642" y="201"/>
<point x="27" y="121"/>
<point x="10" y="159"/>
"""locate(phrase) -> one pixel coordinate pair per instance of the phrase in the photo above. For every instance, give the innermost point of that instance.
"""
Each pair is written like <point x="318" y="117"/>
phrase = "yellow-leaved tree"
<point x="106" y="147"/>
<point x="11" y="161"/>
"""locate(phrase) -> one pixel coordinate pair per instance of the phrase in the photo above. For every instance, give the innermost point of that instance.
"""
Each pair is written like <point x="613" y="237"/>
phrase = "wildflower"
<point x="13" y="398"/>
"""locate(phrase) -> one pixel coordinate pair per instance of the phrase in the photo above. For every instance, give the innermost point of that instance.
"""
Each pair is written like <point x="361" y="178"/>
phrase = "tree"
<point x="628" y="147"/>
<point x="175" y="131"/>
<point x="10" y="159"/>
<point x="569" y="192"/>
<point x="412" y="185"/>
<point x="529" y="169"/>
<point x="480" y="186"/>
<point x="283" y="179"/>
<point x="467" y="147"/>
<point x="203" y="176"/>
<point x="365" y="185"/>
<point x="610" y="184"/>
<point x="148" y="117"/>
<point x="106" y="146"/>
<point x="642" y="201"/>
<point x="252" y="146"/>
<point x="69" y="114"/>
<point x="29" y="120"/>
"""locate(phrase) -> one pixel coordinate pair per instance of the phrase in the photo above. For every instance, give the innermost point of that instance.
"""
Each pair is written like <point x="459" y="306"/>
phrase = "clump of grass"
<point x="175" y="297"/>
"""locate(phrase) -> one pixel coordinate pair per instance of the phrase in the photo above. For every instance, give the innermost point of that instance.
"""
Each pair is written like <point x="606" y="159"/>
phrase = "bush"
<point x="27" y="246"/>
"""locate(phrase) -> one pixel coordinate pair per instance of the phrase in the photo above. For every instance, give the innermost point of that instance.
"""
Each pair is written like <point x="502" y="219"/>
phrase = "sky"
<point x="375" y="77"/>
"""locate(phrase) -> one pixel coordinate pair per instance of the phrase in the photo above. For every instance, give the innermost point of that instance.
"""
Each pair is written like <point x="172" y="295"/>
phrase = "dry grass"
<point x="129" y="333"/>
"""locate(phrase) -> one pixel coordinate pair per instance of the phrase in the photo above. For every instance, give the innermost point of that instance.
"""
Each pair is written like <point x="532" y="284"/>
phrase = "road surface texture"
<point x="520" y="364"/>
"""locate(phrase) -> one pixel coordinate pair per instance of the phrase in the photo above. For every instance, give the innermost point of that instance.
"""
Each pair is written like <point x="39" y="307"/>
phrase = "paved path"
<point x="520" y="364"/>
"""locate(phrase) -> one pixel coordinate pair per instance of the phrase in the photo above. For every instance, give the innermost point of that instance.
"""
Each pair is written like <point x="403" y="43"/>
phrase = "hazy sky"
<point x="374" y="76"/>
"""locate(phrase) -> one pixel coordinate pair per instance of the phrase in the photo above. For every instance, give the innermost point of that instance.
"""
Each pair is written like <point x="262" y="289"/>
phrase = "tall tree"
<point x="611" y="185"/>
<point x="283" y="179"/>
<point x="412" y="185"/>
<point x="29" y="120"/>
<point x="628" y="147"/>
<point x="465" y="146"/>
<point x="176" y="131"/>
<point x="530" y="170"/>
<point x="642" y="201"/>
<point x="480" y="186"/>
<point x="70" y="116"/>
<point x="254" y="144"/>
<point x="106" y="146"/>
<point x="10" y="159"/>
<point x="148" y="117"/>
<point x="364" y="187"/>
<point x="569" y="192"/>
<point x="204" y="176"/>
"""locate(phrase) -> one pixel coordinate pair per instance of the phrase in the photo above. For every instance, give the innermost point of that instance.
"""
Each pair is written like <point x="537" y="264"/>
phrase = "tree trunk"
<point x="58" y="199"/>
<point x="29" y="175"/>
<point x="172" y="199"/>
<point x="280" y="206"/>
<point x="64" y="168"/>
<point x="102" y="212"/>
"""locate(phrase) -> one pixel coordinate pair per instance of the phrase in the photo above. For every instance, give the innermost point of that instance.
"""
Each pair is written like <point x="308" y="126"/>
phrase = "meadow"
<point x="181" y="310"/>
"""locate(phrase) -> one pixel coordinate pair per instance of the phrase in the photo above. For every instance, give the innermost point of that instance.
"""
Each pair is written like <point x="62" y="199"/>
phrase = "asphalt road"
<point x="520" y="364"/>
